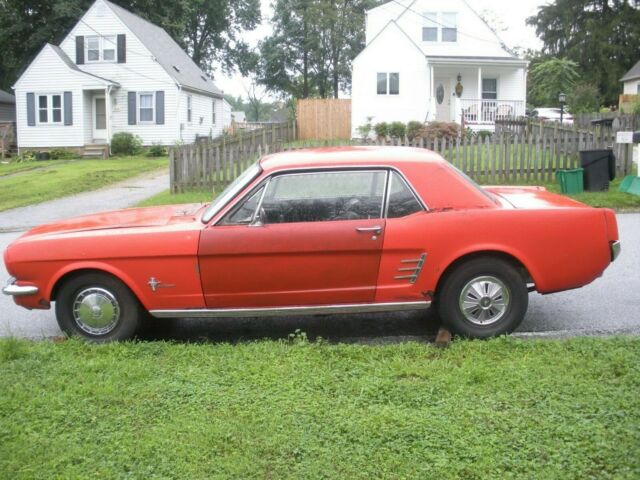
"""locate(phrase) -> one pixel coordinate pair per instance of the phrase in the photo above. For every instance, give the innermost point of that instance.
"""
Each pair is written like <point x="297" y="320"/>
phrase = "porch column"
<point x="480" y="113"/>
<point x="107" y="112"/>
<point x="431" y="116"/>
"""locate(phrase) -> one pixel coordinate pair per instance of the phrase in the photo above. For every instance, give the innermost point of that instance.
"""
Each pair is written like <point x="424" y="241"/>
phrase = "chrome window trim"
<point x="411" y="189"/>
<point x="210" y="213"/>
<point x="296" y="310"/>
<point x="222" y="212"/>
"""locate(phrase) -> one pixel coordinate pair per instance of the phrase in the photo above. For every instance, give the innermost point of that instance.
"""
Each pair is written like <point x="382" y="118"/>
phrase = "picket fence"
<point x="516" y="153"/>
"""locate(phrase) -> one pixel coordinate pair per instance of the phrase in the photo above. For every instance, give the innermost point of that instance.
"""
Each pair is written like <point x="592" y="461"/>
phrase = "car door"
<point x="298" y="239"/>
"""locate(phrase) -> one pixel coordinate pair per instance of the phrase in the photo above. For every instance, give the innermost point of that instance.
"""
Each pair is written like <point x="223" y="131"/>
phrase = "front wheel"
<point x="97" y="307"/>
<point x="483" y="298"/>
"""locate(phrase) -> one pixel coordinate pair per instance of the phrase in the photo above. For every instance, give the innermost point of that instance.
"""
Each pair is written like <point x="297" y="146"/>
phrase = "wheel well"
<point x="75" y="273"/>
<point x="517" y="264"/>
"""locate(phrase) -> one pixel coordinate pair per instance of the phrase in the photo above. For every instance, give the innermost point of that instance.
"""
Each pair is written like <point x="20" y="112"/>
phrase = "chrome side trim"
<point x="416" y="270"/>
<point x="18" y="290"/>
<point x="615" y="249"/>
<point x="287" y="311"/>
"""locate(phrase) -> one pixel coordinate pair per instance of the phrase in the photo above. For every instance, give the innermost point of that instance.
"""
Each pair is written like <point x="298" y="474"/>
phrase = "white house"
<point x="429" y="60"/>
<point x="631" y="81"/>
<point x="114" y="72"/>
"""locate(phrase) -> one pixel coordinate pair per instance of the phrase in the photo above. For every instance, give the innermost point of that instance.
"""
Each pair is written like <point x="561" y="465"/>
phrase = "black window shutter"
<point x="31" y="110"/>
<point x="131" y="102"/>
<point x="160" y="107"/>
<point x="122" y="48"/>
<point x="79" y="49"/>
<point x="68" y="108"/>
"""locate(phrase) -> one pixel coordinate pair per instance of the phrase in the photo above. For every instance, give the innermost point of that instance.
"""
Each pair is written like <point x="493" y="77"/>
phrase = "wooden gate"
<point x="324" y="119"/>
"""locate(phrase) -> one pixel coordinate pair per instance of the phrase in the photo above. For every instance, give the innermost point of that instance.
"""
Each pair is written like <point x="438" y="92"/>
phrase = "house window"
<point x="388" y="83"/>
<point x="449" y="27"/>
<point x="430" y="27"/>
<point x="50" y="108"/>
<point x="93" y="49"/>
<point x="490" y="88"/>
<point x="446" y="22"/>
<point x="146" y="107"/>
<point x="213" y="112"/>
<point x="101" y="48"/>
<point x="189" y="109"/>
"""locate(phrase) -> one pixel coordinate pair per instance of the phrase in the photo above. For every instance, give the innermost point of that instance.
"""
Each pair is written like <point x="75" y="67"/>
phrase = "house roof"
<point x="633" y="73"/>
<point x="471" y="59"/>
<point x="6" y="97"/>
<point x="167" y="52"/>
<point x="65" y="58"/>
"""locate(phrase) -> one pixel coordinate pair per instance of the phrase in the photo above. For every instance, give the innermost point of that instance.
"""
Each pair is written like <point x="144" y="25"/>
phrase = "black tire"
<point x="485" y="270"/>
<point x="123" y="316"/>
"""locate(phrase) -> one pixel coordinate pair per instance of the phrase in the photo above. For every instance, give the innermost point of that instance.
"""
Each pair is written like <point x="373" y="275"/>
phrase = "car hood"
<point x="532" y="198"/>
<point x="129" y="218"/>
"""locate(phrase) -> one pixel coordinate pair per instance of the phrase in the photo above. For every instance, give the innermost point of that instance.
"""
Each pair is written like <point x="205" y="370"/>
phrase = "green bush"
<point x="365" y="130"/>
<point x="397" y="129"/>
<point x="157" y="150"/>
<point x="440" y="130"/>
<point x="381" y="129"/>
<point x="413" y="128"/>
<point x="584" y="98"/>
<point x="125" y="143"/>
<point x="62" y="154"/>
<point x="24" y="157"/>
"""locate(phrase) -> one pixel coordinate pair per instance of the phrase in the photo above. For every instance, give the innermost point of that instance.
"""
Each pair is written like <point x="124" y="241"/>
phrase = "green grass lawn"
<point x="167" y="198"/>
<point x="9" y="168"/>
<point x="67" y="177"/>
<point x="504" y="408"/>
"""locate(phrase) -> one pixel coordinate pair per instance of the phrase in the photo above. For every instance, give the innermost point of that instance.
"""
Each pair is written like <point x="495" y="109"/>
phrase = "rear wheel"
<point x="483" y="298"/>
<point x="97" y="307"/>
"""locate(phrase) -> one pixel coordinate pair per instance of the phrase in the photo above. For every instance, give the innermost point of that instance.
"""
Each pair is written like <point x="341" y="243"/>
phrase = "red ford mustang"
<point x="334" y="230"/>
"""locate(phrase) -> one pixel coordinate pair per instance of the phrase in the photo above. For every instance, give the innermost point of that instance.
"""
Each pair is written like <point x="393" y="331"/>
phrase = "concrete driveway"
<point x="611" y="304"/>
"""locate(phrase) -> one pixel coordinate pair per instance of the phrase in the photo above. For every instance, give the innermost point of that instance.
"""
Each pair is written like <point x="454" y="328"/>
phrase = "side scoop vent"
<point x="412" y="272"/>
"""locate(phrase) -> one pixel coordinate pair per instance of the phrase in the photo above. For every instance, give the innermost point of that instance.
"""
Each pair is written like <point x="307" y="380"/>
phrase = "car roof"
<point x="356" y="156"/>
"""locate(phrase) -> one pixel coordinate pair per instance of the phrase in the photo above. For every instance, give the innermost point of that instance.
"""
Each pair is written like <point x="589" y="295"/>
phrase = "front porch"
<point x="475" y="96"/>
<point x="97" y="106"/>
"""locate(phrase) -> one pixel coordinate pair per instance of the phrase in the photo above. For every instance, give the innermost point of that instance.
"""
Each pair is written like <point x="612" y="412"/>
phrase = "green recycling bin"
<point x="571" y="181"/>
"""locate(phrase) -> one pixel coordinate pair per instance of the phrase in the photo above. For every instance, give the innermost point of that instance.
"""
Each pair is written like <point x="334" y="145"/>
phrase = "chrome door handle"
<point x="377" y="229"/>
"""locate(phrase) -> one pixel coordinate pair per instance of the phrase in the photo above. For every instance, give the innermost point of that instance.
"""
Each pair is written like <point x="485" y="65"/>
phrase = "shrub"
<point x="381" y="129"/>
<point x="156" y="150"/>
<point x="24" y="157"/>
<point x="365" y="130"/>
<point x="439" y="130"/>
<point x="413" y="128"/>
<point x="62" y="154"/>
<point x="125" y="143"/>
<point x="397" y="129"/>
<point x="484" y="134"/>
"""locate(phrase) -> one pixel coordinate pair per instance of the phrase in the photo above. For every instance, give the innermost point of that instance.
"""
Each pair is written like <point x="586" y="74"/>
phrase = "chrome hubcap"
<point x="96" y="311"/>
<point x="484" y="300"/>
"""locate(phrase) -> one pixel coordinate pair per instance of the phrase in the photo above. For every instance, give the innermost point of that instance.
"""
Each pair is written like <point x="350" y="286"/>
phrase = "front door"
<point x="298" y="240"/>
<point x="99" y="118"/>
<point x="442" y="92"/>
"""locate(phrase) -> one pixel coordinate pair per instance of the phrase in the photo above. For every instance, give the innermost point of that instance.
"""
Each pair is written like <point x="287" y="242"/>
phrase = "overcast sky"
<point x="511" y="13"/>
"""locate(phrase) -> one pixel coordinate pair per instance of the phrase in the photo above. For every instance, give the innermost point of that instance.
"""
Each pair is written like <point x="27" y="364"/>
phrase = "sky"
<point x="511" y="13"/>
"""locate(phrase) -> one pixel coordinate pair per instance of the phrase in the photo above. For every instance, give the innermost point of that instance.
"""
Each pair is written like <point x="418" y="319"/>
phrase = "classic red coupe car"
<point x="319" y="231"/>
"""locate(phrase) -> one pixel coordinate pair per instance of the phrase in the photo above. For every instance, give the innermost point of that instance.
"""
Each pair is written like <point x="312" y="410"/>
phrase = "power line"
<point x="129" y="50"/>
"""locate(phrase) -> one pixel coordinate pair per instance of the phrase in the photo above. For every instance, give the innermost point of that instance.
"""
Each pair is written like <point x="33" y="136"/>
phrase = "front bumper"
<point x="615" y="249"/>
<point x="18" y="290"/>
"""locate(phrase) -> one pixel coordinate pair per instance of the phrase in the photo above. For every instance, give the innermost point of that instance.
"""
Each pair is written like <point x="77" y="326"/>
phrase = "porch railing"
<point x="483" y="111"/>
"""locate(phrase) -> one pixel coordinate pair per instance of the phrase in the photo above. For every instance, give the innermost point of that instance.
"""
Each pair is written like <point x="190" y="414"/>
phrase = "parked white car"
<point x="551" y="115"/>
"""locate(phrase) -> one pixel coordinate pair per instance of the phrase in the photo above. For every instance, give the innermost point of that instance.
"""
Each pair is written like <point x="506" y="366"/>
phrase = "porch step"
<point x="95" y="151"/>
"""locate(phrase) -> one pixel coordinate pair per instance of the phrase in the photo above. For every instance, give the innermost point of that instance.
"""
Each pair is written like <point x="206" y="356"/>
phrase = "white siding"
<point x="49" y="74"/>
<point x="474" y="37"/>
<point x="226" y="113"/>
<point x="632" y="87"/>
<point x="391" y="51"/>
<point x="140" y="73"/>
<point x="202" y="116"/>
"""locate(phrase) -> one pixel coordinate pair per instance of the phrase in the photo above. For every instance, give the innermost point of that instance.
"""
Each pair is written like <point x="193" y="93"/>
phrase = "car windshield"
<point x="231" y="191"/>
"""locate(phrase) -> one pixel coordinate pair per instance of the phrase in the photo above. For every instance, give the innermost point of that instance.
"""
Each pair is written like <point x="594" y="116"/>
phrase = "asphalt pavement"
<point x="610" y="305"/>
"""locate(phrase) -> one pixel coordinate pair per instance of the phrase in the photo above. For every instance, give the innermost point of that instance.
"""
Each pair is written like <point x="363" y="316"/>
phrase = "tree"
<point x="550" y="77"/>
<point x="210" y="30"/>
<point x="583" y="98"/>
<point x="601" y="36"/>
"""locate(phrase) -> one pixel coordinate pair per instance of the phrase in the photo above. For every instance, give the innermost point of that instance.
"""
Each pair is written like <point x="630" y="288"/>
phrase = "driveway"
<point x="611" y="304"/>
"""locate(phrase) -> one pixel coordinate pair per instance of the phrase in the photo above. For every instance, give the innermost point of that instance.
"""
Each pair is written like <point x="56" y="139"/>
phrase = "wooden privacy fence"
<point x="212" y="165"/>
<point x="324" y="119"/>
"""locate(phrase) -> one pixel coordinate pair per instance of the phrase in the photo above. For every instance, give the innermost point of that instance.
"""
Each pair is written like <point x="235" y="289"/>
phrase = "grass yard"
<point x="168" y="198"/>
<point x="60" y="178"/>
<point x="503" y="408"/>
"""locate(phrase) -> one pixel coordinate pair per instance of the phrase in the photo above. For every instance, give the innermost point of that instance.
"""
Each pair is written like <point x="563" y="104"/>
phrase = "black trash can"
<point x="599" y="169"/>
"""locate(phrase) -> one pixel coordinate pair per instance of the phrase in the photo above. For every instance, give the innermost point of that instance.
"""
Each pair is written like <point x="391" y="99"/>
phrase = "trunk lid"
<point x="532" y="198"/>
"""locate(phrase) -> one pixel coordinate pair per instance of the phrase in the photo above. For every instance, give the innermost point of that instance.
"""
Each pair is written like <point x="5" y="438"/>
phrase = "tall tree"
<point x="601" y="36"/>
<point x="550" y="77"/>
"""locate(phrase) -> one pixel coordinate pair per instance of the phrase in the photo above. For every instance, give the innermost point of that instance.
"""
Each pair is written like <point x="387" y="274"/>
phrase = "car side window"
<point x="402" y="201"/>
<point x="243" y="213"/>
<point x="323" y="196"/>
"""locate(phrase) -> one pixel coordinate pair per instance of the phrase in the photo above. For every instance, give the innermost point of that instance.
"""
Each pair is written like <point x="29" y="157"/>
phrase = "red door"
<point x="318" y="242"/>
